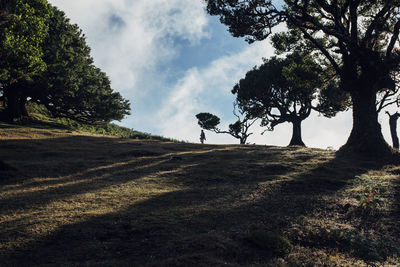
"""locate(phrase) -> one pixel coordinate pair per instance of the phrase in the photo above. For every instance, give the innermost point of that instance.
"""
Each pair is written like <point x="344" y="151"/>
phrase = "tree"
<point x="286" y="90"/>
<point x="239" y="129"/>
<point x="388" y="97"/>
<point x="93" y="101"/>
<point x="23" y="28"/>
<point x="393" y="128"/>
<point x="357" y="38"/>
<point x="70" y="85"/>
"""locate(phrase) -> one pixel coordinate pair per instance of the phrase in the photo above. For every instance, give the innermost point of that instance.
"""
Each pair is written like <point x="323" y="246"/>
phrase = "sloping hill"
<point x="69" y="199"/>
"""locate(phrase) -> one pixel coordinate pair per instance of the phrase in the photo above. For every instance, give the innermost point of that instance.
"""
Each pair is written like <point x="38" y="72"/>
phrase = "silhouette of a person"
<point x="202" y="137"/>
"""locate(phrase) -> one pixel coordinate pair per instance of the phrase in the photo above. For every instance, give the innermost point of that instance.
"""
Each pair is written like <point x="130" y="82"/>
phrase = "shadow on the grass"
<point x="225" y="193"/>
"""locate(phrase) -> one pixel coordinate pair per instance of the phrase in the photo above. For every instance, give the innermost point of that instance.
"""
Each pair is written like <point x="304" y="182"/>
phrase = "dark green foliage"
<point x="235" y="128"/>
<point x="272" y="243"/>
<point x="357" y="39"/>
<point x="331" y="100"/>
<point x="289" y="41"/>
<point x="207" y="121"/>
<point x="286" y="89"/>
<point x="72" y="86"/>
<point x="244" y="17"/>
<point x="23" y="29"/>
<point x="68" y="84"/>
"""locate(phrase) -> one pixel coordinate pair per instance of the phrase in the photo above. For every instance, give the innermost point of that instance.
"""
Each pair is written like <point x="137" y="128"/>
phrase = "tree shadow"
<point x="56" y="157"/>
<point x="46" y="170"/>
<point x="222" y="193"/>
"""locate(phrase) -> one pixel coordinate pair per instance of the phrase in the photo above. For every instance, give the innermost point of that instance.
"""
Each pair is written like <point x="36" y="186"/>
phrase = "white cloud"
<point x="143" y="39"/>
<point x="208" y="90"/>
<point x="203" y="90"/>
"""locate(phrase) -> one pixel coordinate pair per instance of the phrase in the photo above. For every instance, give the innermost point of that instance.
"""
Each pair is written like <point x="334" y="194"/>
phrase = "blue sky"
<point x="172" y="61"/>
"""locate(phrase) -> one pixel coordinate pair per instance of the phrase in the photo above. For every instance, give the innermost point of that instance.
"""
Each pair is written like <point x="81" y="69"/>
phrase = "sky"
<point x="172" y="60"/>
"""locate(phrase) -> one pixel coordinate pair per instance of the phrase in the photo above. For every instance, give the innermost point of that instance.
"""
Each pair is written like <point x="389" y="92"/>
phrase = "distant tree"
<point x="23" y="29"/>
<point x="357" y="38"/>
<point x="387" y="97"/>
<point x="239" y="129"/>
<point x="287" y="90"/>
<point x="393" y="128"/>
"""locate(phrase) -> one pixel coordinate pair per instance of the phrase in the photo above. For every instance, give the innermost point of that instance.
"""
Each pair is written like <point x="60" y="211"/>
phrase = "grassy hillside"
<point x="40" y="117"/>
<point x="77" y="199"/>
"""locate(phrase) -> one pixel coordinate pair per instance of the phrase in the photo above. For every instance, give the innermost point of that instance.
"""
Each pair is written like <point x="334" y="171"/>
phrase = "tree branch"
<point x="216" y="130"/>
<point x="374" y="23"/>
<point x="382" y="101"/>
<point x="325" y="52"/>
<point x="393" y="39"/>
<point x="354" y="20"/>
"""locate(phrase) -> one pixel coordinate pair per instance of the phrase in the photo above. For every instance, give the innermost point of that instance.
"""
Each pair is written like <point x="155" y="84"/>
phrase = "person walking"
<point x="202" y="137"/>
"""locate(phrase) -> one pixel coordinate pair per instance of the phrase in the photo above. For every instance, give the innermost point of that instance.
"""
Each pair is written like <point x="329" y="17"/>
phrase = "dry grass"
<point x="74" y="199"/>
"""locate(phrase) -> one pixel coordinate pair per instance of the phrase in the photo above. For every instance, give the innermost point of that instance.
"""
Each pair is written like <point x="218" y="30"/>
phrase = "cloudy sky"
<point x="172" y="61"/>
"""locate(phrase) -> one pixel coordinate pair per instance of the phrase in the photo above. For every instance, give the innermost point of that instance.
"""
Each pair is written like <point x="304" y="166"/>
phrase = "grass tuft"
<point x="272" y="243"/>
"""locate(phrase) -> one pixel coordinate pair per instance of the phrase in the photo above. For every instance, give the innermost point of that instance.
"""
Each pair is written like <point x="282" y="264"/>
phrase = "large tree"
<point x="69" y="85"/>
<point x="23" y="29"/>
<point x="358" y="38"/>
<point x="287" y="90"/>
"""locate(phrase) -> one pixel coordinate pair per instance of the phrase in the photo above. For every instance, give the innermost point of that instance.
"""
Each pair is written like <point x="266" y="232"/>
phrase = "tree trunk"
<point x="22" y="106"/>
<point x="366" y="136"/>
<point x="393" y="129"/>
<point x="243" y="140"/>
<point x="15" y="107"/>
<point x="296" y="136"/>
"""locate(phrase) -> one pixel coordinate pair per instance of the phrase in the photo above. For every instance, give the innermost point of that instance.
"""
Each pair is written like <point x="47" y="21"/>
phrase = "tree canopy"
<point x="357" y="38"/>
<point x="23" y="28"/>
<point x="72" y="86"/>
<point x="60" y="74"/>
<point x="287" y="90"/>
